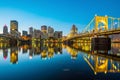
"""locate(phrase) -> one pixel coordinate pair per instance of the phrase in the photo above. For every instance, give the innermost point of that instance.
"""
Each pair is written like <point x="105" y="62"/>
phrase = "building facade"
<point x="5" y="29"/>
<point x="50" y="32"/>
<point x="31" y="31"/>
<point x="44" y="29"/>
<point x="37" y="33"/>
<point x="24" y="33"/>
<point x="73" y="31"/>
<point x="14" y="28"/>
<point x="58" y="34"/>
<point x="44" y="36"/>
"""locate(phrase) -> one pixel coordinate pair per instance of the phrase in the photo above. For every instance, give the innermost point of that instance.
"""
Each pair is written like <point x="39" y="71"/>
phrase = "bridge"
<point x="98" y="26"/>
<point x="99" y="62"/>
<point x="10" y="39"/>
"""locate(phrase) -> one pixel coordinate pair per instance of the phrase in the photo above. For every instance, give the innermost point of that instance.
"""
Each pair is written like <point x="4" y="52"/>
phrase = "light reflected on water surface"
<point x="59" y="62"/>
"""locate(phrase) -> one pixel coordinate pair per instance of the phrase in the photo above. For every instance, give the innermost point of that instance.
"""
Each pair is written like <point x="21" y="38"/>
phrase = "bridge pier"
<point x="101" y="43"/>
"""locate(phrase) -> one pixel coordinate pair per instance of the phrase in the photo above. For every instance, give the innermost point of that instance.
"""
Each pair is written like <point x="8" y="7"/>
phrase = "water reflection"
<point x="101" y="64"/>
<point x="100" y="61"/>
<point x="5" y="53"/>
<point x="14" y="55"/>
<point x="44" y="50"/>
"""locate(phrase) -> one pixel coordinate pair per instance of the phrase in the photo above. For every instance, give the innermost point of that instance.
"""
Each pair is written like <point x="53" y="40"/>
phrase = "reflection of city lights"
<point x="95" y="73"/>
<point x="73" y="57"/>
<point x="17" y="62"/>
<point x="58" y="52"/>
<point x="50" y="55"/>
<point x="115" y="23"/>
<point x="44" y="55"/>
<point x="5" y="57"/>
<point x="44" y="58"/>
<point x="13" y="58"/>
<point x="105" y="72"/>
<point x="30" y="57"/>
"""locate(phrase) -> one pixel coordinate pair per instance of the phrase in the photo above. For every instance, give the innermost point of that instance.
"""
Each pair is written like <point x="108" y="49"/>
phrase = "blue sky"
<point x="59" y="14"/>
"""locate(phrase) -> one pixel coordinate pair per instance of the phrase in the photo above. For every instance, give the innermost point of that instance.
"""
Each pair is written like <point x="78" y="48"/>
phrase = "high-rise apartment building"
<point x="50" y="32"/>
<point x="44" y="29"/>
<point x="31" y="31"/>
<point x="5" y="29"/>
<point x="13" y="26"/>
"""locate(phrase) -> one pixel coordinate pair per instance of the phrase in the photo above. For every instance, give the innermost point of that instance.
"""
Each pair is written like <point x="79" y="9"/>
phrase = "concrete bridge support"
<point x="101" y="44"/>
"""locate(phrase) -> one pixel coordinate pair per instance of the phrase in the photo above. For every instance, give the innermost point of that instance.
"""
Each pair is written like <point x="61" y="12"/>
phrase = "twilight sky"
<point x="59" y="14"/>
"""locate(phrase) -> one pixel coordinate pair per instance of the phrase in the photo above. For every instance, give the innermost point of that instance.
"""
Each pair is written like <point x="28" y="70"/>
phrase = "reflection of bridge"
<point x="86" y="49"/>
<point x="98" y="61"/>
<point x="101" y="64"/>
<point x="99" y="26"/>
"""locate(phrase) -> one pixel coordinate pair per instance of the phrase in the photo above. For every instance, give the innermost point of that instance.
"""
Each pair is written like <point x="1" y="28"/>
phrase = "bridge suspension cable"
<point x="109" y="23"/>
<point x="88" y="26"/>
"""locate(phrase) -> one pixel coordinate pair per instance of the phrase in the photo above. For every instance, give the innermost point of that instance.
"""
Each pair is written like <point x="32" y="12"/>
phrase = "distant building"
<point x="44" y="29"/>
<point x="5" y="29"/>
<point x="115" y="37"/>
<point x="14" y="28"/>
<point x="31" y="31"/>
<point x="50" y="32"/>
<point x="19" y="34"/>
<point x="37" y="33"/>
<point x="24" y="33"/>
<point x="58" y="34"/>
<point x="44" y="36"/>
<point x="73" y="31"/>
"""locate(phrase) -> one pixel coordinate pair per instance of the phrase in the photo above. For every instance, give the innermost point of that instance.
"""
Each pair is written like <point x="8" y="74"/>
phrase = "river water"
<point x="59" y="62"/>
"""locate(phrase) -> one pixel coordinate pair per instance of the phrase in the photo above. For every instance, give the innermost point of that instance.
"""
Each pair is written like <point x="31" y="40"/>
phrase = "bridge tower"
<point x="101" y="19"/>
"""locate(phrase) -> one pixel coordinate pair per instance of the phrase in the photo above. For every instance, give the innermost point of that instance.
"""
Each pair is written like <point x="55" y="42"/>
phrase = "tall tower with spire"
<point x="73" y="31"/>
<point x="5" y="29"/>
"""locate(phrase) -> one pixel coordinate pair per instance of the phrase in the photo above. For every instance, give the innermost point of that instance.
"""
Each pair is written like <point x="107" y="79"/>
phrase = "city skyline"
<point x="59" y="14"/>
<point x="60" y="39"/>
